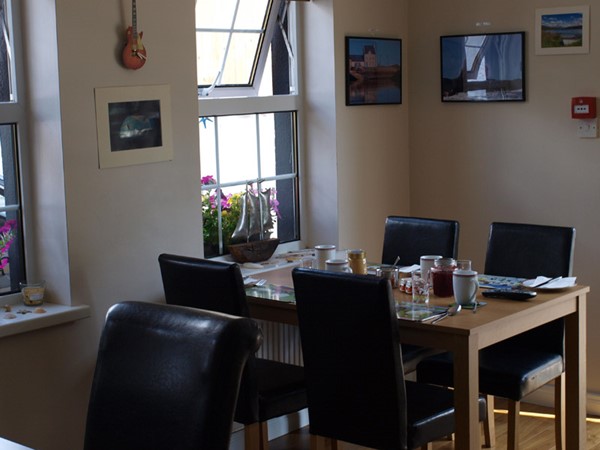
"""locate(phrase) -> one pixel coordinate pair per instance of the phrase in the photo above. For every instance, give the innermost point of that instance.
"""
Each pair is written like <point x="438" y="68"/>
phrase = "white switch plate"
<point x="587" y="128"/>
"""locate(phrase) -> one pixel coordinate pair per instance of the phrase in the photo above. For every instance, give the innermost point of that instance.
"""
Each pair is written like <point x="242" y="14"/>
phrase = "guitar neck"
<point x="134" y="19"/>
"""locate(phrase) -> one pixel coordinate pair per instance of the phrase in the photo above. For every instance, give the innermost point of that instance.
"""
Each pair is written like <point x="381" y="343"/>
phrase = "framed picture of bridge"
<point x="373" y="71"/>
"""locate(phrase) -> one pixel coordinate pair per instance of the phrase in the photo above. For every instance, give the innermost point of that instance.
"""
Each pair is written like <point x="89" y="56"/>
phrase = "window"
<point x="248" y="142"/>
<point x="12" y="261"/>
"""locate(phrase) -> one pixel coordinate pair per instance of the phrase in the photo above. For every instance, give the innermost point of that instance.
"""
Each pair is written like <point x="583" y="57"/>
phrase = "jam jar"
<point x="357" y="261"/>
<point x="441" y="277"/>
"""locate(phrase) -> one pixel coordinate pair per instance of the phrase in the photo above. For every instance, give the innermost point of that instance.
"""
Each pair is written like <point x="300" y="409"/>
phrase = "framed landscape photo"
<point x="373" y="71"/>
<point x="560" y="31"/>
<point x="487" y="67"/>
<point x="134" y="125"/>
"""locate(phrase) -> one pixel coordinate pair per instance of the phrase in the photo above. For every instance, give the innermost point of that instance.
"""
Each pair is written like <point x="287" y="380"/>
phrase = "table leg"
<point x="466" y="394"/>
<point x="575" y="374"/>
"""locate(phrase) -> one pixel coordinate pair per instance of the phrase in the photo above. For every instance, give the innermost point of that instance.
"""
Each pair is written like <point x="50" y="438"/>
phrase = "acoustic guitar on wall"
<point x="134" y="53"/>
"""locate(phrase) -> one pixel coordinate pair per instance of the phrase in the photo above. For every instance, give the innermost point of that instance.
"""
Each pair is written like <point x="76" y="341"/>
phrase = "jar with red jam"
<point x="441" y="277"/>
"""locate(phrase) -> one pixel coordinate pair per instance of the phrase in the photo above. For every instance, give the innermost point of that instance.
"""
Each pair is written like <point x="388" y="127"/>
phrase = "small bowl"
<point x="33" y="292"/>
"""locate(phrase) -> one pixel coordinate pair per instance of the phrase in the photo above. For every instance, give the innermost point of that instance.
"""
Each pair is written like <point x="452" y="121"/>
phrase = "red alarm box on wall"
<point x="583" y="107"/>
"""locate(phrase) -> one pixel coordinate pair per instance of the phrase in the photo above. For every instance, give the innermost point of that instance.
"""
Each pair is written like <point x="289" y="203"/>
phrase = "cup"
<point x="338" y="265"/>
<point x="427" y="263"/>
<point x="33" y="292"/>
<point x="308" y="262"/>
<point x="465" y="285"/>
<point x="324" y="252"/>
<point x="390" y="273"/>
<point x="463" y="264"/>
<point x="420" y="287"/>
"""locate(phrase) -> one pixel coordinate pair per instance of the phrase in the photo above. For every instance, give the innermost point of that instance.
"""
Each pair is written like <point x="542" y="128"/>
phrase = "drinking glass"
<point x="463" y="264"/>
<point x="420" y="287"/>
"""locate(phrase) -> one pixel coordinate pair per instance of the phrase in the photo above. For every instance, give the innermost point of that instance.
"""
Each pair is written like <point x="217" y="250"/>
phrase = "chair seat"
<point x="504" y="371"/>
<point x="413" y="354"/>
<point x="431" y="413"/>
<point x="281" y="388"/>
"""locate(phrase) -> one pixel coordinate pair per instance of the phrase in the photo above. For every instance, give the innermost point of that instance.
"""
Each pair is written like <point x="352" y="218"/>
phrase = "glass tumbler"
<point x="420" y="287"/>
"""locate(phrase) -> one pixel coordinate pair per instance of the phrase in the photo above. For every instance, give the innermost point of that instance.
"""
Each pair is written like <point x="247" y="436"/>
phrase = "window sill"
<point x="24" y="322"/>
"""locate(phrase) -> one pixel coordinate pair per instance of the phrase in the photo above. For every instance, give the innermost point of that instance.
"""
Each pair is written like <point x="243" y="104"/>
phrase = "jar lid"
<point x="445" y="262"/>
<point x="356" y="254"/>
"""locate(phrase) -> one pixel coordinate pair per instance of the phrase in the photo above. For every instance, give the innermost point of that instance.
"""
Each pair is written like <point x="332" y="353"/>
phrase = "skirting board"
<point x="544" y="396"/>
<point x="278" y="427"/>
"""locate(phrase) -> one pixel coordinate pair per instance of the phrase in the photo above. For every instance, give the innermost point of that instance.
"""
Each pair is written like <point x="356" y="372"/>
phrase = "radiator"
<point x="281" y="343"/>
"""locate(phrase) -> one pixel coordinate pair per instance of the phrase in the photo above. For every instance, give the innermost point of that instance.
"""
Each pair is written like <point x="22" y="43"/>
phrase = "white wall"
<point x="514" y="162"/>
<point x="365" y="146"/>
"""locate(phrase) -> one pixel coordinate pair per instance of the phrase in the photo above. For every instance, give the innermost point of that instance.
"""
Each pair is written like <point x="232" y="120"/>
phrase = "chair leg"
<point x="514" y="408"/>
<point x="489" y="424"/>
<point x="559" y="412"/>
<point x="428" y="446"/>
<point x="323" y="443"/>
<point x="256" y="436"/>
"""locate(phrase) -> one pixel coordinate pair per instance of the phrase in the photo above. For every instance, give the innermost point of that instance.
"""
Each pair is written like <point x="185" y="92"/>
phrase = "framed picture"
<point x="488" y="67"/>
<point x="560" y="31"/>
<point x="373" y="71"/>
<point x="134" y="125"/>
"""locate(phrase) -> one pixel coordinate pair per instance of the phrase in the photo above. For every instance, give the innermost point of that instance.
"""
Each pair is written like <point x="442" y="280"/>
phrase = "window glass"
<point x="12" y="261"/>
<point x="238" y="143"/>
<point x="229" y="37"/>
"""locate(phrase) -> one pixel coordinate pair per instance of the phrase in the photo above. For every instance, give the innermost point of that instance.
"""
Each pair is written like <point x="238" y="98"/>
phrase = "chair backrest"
<point x="167" y="377"/>
<point x="214" y="286"/>
<point x="352" y="362"/>
<point x="412" y="237"/>
<point x="525" y="250"/>
<point x="202" y="283"/>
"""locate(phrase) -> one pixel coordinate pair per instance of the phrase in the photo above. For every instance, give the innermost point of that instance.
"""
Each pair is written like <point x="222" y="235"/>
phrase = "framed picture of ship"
<point x="560" y="31"/>
<point x="373" y="71"/>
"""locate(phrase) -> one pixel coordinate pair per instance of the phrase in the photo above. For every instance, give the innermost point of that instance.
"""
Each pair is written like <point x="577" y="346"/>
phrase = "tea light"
<point x="33" y="293"/>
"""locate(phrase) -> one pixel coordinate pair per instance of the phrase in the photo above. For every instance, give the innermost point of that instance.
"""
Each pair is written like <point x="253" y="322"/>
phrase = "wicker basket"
<point x="253" y="251"/>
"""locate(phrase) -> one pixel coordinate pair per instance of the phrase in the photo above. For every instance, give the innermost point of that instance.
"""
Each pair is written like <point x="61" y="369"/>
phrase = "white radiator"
<point x="281" y="343"/>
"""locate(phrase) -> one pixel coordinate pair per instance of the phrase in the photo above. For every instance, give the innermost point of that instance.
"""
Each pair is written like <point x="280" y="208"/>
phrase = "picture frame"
<point x="133" y="125"/>
<point x="373" y="71"/>
<point x="483" y="67"/>
<point x="562" y="31"/>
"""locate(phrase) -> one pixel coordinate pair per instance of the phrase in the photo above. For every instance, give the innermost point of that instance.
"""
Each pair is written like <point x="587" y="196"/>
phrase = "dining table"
<point x="466" y="333"/>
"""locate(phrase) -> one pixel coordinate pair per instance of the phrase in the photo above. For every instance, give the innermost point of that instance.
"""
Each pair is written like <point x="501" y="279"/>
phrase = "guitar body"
<point x="134" y="53"/>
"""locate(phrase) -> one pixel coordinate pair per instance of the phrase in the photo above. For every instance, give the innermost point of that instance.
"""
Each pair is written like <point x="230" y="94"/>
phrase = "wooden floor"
<point x="537" y="432"/>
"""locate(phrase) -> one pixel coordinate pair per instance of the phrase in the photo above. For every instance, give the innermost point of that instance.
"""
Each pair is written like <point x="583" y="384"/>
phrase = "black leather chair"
<point x="269" y="389"/>
<point x="167" y="377"/>
<point x="412" y="237"/>
<point x="356" y="388"/>
<point x="518" y="366"/>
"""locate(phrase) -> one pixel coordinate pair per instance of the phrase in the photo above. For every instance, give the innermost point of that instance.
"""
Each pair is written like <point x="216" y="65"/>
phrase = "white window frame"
<point x="237" y="101"/>
<point x="15" y="112"/>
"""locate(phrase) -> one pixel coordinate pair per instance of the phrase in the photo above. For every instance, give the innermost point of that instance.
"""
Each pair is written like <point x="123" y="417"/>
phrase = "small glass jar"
<point x="33" y="292"/>
<point x="357" y="260"/>
<point x="408" y="287"/>
<point x="441" y="277"/>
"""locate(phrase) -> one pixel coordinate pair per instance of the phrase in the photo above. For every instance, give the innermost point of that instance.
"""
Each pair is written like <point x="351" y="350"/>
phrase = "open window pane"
<point x="230" y="39"/>
<point x="209" y="54"/>
<point x="215" y="13"/>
